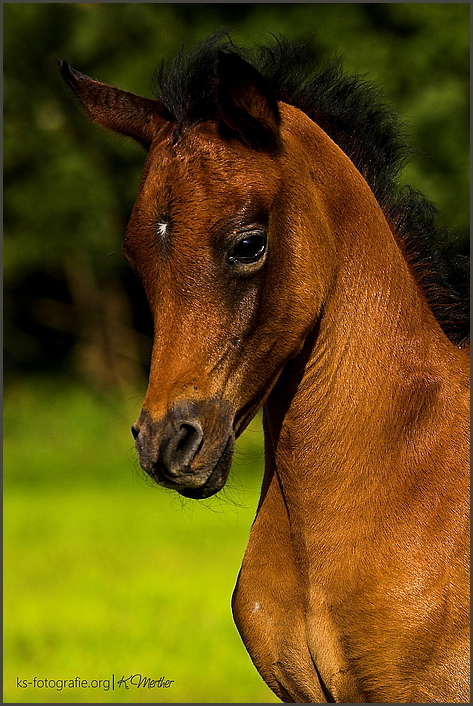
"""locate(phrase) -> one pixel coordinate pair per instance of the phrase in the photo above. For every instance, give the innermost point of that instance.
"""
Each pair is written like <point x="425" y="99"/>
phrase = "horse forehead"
<point x="203" y="158"/>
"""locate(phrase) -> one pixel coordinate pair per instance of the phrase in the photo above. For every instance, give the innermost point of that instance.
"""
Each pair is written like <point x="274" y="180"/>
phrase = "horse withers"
<point x="284" y="269"/>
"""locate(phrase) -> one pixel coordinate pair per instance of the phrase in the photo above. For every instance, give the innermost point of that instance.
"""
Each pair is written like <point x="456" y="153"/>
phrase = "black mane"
<point x="350" y="111"/>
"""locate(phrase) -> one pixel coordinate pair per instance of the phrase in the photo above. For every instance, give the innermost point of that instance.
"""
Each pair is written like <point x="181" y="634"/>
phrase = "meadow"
<point x="108" y="576"/>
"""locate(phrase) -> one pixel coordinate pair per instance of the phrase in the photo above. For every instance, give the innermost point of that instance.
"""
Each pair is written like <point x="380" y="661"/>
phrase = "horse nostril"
<point x="180" y="449"/>
<point x="134" y="431"/>
<point x="185" y="436"/>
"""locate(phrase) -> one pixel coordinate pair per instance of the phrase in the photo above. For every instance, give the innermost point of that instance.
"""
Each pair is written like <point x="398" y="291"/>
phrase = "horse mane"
<point x="351" y="112"/>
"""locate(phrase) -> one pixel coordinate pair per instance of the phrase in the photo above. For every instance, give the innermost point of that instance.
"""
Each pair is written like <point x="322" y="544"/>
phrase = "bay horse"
<point x="285" y="269"/>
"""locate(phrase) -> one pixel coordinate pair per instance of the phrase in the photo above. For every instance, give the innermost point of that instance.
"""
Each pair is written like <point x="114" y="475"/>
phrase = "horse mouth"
<point x="218" y="477"/>
<point x="187" y="484"/>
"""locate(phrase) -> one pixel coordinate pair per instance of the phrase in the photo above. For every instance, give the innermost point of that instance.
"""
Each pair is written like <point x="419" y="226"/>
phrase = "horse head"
<point x="233" y="295"/>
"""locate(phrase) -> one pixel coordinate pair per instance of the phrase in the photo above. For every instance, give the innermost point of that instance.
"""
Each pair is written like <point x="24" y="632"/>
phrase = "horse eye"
<point x="249" y="249"/>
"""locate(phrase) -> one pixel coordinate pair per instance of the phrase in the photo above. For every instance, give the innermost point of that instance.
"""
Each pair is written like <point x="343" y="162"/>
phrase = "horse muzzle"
<point x="190" y="449"/>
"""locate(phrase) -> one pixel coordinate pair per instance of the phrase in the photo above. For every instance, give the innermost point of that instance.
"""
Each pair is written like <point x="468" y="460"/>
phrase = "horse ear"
<point x="117" y="110"/>
<point x="247" y="102"/>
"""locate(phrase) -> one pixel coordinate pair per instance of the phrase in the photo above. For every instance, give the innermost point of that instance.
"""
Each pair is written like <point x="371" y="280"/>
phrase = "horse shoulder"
<point x="268" y="605"/>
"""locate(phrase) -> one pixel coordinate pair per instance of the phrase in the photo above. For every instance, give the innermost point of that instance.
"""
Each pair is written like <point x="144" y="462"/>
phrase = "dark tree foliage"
<point x="71" y="305"/>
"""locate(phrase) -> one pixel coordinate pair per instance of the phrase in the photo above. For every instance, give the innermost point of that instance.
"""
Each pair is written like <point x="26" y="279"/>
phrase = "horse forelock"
<point x="352" y="113"/>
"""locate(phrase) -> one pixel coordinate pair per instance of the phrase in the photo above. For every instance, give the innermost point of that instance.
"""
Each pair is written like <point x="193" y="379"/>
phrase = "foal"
<point x="278" y="264"/>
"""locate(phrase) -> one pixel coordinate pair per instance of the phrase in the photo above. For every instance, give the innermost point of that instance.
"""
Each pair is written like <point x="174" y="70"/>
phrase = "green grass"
<point x="106" y="574"/>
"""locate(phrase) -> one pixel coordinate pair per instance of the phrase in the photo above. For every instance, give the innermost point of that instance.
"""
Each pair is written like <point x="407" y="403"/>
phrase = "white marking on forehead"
<point x="162" y="229"/>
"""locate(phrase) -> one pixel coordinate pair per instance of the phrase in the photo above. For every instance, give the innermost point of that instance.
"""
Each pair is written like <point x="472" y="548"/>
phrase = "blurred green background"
<point x="105" y="573"/>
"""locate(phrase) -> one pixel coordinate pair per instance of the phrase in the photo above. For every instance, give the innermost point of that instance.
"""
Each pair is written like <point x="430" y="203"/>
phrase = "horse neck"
<point x="346" y="423"/>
